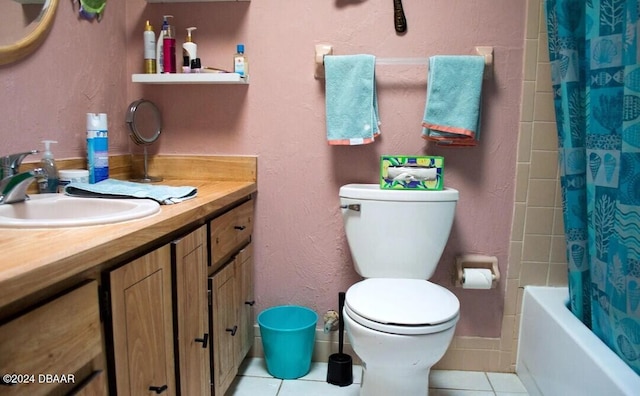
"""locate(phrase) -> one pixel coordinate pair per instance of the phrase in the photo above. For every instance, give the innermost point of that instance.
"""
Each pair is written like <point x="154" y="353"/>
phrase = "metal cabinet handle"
<point x="250" y="303"/>
<point x="204" y="340"/>
<point x="158" y="389"/>
<point x="355" y="207"/>
<point x="232" y="330"/>
<point x="239" y="228"/>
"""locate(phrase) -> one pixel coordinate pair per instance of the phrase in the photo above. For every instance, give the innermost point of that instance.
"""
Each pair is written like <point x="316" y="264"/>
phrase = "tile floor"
<point x="254" y="380"/>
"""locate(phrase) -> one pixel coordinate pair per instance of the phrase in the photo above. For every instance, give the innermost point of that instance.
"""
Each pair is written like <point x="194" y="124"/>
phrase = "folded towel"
<point x="351" y="99"/>
<point x="111" y="188"/>
<point x="452" y="110"/>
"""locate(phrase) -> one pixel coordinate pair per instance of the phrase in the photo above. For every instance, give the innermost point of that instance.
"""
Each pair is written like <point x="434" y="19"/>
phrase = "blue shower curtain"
<point x="594" y="54"/>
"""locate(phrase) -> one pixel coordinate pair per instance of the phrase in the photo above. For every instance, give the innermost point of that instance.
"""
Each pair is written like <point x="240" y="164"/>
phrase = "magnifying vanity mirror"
<point x="24" y="24"/>
<point x="145" y="126"/>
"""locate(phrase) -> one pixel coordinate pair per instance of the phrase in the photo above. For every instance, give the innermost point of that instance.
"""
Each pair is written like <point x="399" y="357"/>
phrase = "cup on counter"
<point x="67" y="176"/>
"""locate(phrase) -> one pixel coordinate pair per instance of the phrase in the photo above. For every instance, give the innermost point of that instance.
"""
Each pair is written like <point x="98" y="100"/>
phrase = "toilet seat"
<point x="402" y="306"/>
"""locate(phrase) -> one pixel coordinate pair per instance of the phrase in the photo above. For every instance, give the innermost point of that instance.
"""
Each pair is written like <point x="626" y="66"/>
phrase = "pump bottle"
<point x="169" y="50"/>
<point x="189" y="48"/>
<point x="160" y="42"/>
<point x="48" y="164"/>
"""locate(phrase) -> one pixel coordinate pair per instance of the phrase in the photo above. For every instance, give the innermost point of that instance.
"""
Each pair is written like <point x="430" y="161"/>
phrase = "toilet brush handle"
<point x="341" y="296"/>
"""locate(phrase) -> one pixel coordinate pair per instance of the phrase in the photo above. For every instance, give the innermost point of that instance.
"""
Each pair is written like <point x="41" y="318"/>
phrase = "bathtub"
<point x="558" y="355"/>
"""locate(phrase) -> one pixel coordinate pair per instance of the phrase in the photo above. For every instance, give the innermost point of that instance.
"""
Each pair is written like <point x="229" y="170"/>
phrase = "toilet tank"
<point x="396" y="233"/>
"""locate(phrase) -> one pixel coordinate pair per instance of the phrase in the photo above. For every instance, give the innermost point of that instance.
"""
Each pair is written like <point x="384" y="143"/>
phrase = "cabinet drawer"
<point x="229" y="231"/>
<point x="58" y="338"/>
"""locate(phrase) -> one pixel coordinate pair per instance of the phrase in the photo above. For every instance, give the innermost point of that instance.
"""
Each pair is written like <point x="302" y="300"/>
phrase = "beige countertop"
<point x="32" y="260"/>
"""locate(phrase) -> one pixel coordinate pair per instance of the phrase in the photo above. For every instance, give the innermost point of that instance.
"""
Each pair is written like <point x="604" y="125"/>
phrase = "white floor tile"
<point x="463" y="380"/>
<point x="316" y="388"/>
<point x="506" y="382"/>
<point x="254" y="386"/>
<point x="458" y="392"/>
<point x="254" y="367"/>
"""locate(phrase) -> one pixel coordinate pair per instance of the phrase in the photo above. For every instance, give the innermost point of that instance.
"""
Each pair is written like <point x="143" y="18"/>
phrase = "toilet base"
<point x="387" y="380"/>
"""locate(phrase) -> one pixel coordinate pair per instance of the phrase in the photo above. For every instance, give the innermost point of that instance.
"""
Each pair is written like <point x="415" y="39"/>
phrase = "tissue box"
<point x="401" y="172"/>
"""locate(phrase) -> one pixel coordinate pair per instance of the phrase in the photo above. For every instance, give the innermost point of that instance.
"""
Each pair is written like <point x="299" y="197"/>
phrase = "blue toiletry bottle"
<point x="97" y="147"/>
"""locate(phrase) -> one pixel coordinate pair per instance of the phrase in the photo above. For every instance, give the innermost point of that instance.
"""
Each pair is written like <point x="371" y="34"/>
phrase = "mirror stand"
<point x="145" y="126"/>
<point x="145" y="177"/>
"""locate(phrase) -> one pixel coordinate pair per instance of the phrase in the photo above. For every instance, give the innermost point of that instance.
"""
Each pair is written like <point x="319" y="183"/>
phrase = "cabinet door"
<point x="245" y="300"/>
<point x="60" y="337"/>
<point x="143" y="325"/>
<point x="192" y="319"/>
<point x="224" y="328"/>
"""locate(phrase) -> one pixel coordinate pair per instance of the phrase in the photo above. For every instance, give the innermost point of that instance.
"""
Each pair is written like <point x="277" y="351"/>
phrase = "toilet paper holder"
<point x="476" y="261"/>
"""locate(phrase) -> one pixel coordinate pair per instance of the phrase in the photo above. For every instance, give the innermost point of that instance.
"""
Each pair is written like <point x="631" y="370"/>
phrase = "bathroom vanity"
<point x="162" y="304"/>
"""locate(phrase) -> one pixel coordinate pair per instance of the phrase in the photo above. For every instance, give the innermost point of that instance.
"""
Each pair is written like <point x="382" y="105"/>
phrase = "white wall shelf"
<point x="190" y="1"/>
<point x="190" y="78"/>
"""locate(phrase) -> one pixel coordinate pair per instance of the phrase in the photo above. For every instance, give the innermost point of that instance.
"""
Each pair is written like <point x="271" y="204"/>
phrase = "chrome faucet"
<point x="14" y="185"/>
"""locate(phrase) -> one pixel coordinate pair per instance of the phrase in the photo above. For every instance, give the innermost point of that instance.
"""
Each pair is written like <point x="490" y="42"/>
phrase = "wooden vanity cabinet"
<point x="182" y="315"/>
<point x="55" y="348"/>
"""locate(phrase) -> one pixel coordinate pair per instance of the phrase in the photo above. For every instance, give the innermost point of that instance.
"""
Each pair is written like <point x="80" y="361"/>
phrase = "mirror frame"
<point x="25" y="46"/>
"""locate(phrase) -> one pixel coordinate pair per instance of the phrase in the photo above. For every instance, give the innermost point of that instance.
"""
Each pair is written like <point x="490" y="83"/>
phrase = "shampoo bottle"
<point x="149" y="38"/>
<point x="240" y="62"/>
<point x="169" y="50"/>
<point x="48" y="164"/>
<point x="97" y="147"/>
<point x="159" y="44"/>
<point x="189" y="48"/>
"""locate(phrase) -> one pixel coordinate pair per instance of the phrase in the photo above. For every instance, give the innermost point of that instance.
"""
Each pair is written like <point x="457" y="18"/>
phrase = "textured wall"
<point x="301" y="252"/>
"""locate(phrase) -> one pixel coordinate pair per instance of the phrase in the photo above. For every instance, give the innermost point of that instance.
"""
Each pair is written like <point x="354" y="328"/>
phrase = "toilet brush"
<point x="340" y="368"/>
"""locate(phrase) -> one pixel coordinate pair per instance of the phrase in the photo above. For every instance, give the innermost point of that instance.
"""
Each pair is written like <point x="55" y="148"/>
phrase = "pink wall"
<point x="301" y="253"/>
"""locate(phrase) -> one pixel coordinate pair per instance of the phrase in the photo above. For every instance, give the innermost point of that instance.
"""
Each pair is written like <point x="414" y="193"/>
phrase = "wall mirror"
<point x="24" y="24"/>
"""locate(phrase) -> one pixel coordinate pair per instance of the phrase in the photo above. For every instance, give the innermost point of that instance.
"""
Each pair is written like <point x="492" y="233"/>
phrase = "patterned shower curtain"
<point x="594" y="53"/>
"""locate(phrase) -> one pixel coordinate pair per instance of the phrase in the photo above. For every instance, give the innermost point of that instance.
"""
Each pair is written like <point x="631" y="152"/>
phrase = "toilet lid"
<point x="403" y="302"/>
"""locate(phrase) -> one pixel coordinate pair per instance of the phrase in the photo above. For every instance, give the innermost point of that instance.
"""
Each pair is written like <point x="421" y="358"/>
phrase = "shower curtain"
<point x="594" y="54"/>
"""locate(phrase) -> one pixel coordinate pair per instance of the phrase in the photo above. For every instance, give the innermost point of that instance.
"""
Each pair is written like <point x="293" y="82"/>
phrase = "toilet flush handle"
<point x="355" y="207"/>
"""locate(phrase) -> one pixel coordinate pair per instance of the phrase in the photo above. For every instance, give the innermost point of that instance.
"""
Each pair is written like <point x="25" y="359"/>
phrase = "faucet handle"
<point x="11" y="163"/>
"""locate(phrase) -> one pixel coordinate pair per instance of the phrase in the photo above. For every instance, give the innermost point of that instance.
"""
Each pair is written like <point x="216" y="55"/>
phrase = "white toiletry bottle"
<point x="159" y="44"/>
<point x="240" y="62"/>
<point x="97" y="147"/>
<point x="149" y="38"/>
<point x="48" y="164"/>
<point x="189" y="48"/>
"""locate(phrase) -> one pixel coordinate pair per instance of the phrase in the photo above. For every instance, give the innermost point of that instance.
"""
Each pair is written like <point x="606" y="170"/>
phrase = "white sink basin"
<point x="58" y="210"/>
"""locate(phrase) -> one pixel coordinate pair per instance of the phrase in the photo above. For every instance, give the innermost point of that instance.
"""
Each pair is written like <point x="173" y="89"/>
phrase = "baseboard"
<point x="325" y="345"/>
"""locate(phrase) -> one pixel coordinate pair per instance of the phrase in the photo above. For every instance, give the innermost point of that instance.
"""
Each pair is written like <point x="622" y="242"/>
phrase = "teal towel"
<point x="351" y="99"/>
<point x="111" y="188"/>
<point x="452" y="110"/>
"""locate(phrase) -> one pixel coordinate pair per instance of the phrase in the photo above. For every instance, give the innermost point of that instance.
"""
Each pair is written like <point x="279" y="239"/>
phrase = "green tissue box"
<point x="401" y="172"/>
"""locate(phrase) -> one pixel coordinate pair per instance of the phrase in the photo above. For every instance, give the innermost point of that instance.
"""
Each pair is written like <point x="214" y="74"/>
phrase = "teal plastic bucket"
<point x="288" y="333"/>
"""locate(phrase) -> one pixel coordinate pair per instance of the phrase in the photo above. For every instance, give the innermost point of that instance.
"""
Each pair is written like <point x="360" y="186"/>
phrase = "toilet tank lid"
<point x="409" y="302"/>
<point x="374" y="192"/>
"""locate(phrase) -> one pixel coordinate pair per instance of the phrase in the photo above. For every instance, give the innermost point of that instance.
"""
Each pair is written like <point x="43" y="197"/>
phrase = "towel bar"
<point x="327" y="49"/>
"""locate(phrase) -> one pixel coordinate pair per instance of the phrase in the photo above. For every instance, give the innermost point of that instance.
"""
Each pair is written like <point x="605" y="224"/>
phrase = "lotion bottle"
<point x="149" y="38"/>
<point x="169" y="50"/>
<point x="159" y="44"/>
<point x="189" y="48"/>
<point x="48" y="164"/>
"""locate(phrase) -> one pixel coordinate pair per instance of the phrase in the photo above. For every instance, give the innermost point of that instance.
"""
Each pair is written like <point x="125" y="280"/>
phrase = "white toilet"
<point x="398" y="322"/>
